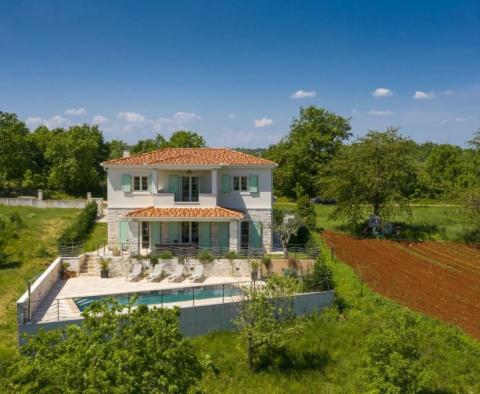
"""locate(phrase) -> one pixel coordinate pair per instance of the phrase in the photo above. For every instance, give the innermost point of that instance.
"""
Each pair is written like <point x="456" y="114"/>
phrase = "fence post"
<point x="58" y="310"/>
<point x="193" y="296"/>
<point x="29" y="306"/>
<point x="223" y="293"/>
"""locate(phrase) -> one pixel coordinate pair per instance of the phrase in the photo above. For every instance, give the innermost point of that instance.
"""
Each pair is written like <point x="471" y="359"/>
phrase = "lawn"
<point x="435" y="222"/>
<point x="330" y="354"/>
<point x="97" y="238"/>
<point x="31" y="249"/>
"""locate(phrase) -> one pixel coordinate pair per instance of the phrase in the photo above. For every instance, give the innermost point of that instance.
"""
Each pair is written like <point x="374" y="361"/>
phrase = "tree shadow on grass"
<point x="291" y="361"/>
<point x="10" y="265"/>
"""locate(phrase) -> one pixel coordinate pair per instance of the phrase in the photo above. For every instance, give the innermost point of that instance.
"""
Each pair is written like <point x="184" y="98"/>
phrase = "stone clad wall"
<point x="264" y="216"/>
<point x="114" y="216"/>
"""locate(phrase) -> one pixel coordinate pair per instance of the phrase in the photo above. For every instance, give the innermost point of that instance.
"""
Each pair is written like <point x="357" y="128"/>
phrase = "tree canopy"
<point x="314" y="138"/>
<point x="377" y="171"/>
<point x="140" y="351"/>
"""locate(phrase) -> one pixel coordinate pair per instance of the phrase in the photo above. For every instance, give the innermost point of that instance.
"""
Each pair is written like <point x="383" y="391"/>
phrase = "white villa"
<point x="203" y="197"/>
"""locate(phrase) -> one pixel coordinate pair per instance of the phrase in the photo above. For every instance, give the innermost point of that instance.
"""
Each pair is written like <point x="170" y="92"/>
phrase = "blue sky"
<point x="238" y="71"/>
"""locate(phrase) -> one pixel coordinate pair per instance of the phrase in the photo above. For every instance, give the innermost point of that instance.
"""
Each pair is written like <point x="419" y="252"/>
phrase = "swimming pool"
<point x="161" y="297"/>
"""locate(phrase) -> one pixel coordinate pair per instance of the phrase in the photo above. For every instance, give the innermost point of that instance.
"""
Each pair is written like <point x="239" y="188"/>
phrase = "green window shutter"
<point x="204" y="235"/>
<point x="123" y="232"/>
<point x="253" y="183"/>
<point x="174" y="185"/>
<point x="155" y="235"/>
<point x="173" y="232"/>
<point x="224" y="234"/>
<point x="126" y="183"/>
<point x="226" y="184"/>
<point x="255" y="235"/>
<point x="149" y="183"/>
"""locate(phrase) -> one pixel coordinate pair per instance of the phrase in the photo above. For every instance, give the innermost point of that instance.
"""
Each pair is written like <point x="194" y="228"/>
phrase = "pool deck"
<point x="59" y="305"/>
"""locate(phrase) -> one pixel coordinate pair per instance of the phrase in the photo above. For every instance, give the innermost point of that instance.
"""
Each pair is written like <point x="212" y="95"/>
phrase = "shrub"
<point x="165" y="255"/>
<point x="320" y="279"/>
<point x="79" y="230"/>
<point x="104" y="263"/>
<point x="267" y="262"/>
<point x="204" y="256"/>
<point x="153" y="259"/>
<point x="231" y="255"/>
<point x="290" y="273"/>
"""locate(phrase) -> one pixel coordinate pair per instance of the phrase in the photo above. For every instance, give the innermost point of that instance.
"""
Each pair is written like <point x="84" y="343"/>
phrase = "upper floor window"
<point x="140" y="183"/>
<point x="240" y="183"/>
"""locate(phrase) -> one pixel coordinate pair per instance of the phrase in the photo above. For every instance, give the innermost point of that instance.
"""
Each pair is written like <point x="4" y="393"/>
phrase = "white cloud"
<point x="76" y="111"/>
<point x="419" y="95"/>
<point x="99" y="119"/>
<point x="231" y="116"/>
<point x="447" y="92"/>
<point x="34" y="121"/>
<point x="299" y="94"/>
<point x="184" y="116"/>
<point x="355" y="111"/>
<point x="264" y="122"/>
<point x="382" y="92"/>
<point x="461" y="119"/>
<point x="380" y="113"/>
<point x="131" y="117"/>
<point x="51" y="123"/>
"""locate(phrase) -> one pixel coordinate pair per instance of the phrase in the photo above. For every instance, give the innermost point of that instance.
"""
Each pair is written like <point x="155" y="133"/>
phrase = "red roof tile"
<point x="186" y="212"/>
<point x="193" y="156"/>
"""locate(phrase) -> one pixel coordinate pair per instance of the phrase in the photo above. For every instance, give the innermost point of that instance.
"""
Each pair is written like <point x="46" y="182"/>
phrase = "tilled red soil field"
<point x="441" y="279"/>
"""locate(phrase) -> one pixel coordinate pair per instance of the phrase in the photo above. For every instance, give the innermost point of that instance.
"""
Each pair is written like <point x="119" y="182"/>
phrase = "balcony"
<point x="163" y="199"/>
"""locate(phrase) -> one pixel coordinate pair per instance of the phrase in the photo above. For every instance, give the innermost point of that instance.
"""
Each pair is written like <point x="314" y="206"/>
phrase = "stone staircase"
<point x="89" y="266"/>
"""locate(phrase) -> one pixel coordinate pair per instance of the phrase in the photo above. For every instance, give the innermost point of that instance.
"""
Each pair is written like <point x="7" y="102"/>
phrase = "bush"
<point x="205" y="257"/>
<point x="153" y="259"/>
<point x="79" y="230"/>
<point x="320" y="279"/>
<point x="231" y="255"/>
<point x="165" y="255"/>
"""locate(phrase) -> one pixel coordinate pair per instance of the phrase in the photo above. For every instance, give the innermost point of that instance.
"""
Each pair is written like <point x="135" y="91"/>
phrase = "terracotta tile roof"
<point x="186" y="212"/>
<point x="192" y="156"/>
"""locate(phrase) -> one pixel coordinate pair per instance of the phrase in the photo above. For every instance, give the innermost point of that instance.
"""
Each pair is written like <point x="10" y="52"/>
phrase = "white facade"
<point x="254" y="201"/>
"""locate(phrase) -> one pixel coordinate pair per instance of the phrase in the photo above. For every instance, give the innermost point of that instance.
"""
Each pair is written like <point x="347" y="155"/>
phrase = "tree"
<point x="377" y="171"/>
<point x="287" y="225"/>
<point x="266" y="319"/>
<point x="306" y="211"/>
<point x="470" y="203"/>
<point x="115" y="350"/>
<point x="75" y="156"/>
<point x="15" y="151"/>
<point x="320" y="278"/>
<point x="314" y="138"/>
<point x="186" y="139"/>
<point x="116" y="148"/>
<point x="393" y="363"/>
<point x="148" y="145"/>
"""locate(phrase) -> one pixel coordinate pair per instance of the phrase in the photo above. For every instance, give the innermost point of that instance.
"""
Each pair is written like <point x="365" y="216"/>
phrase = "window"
<point x="240" y="183"/>
<point x="189" y="191"/>
<point x="190" y="232"/>
<point x="140" y="183"/>
<point x="244" y="234"/>
<point x="145" y="235"/>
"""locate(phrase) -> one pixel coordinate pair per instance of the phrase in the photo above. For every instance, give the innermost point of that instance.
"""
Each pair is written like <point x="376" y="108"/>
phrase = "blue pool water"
<point x="164" y="296"/>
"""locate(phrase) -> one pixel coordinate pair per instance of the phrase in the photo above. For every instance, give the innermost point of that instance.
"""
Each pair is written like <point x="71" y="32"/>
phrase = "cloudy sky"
<point x="238" y="71"/>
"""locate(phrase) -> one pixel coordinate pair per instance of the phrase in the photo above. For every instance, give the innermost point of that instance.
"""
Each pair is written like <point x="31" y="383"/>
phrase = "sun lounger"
<point x="157" y="273"/>
<point x="136" y="272"/>
<point x="198" y="275"/>
<point x="177" y="274"/>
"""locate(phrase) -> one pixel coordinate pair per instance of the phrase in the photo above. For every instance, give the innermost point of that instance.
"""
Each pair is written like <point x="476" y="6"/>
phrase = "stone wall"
<point x="264" y="216"/>
<point x="114" y="216"/>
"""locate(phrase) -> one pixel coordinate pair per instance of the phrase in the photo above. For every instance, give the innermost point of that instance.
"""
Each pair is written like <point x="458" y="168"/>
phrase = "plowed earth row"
<point x="441" y="279"/>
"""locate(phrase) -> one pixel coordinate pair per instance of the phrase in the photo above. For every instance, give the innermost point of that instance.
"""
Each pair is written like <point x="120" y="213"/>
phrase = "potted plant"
<point x="104" y="263"/>
<point x="267" y="263"/>
<point x="205" y="257"/>
<point x="65" y="273"/>
<point x="254" y="269"/>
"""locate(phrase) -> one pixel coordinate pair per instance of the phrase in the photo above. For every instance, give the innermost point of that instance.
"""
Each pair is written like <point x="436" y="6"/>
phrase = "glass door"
<point x="190" y="187"/>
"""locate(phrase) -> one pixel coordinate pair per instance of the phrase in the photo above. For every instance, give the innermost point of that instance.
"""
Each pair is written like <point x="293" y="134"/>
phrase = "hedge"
<point x="79" y="230"/>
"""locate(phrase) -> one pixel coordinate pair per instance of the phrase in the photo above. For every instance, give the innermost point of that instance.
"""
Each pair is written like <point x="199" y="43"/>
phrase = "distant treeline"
<point x="68" y="160"/>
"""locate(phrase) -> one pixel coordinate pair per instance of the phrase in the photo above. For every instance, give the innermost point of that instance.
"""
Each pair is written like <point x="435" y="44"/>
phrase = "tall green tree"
<point x="376" y="173"/>
<point x="15" y="150"/>
<point x="115" y="350"/>
<point x="186" y="139"/>
<point x="314" y="138"/>
<point x="75" y="156"/>
<point x="116" y="148"/>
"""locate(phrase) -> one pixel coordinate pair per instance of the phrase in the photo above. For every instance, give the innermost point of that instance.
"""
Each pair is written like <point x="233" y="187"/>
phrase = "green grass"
<point x="97" y="238"/>
<point x="451" y="358"/>
<point x="31" y="250"/>
<point x="441" y="222"/>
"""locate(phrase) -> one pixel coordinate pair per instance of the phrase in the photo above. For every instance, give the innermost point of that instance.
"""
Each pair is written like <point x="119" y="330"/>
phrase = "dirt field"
<point x="441" y="279"/>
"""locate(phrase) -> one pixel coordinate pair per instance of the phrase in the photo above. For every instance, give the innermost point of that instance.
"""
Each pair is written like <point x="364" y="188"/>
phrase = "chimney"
<point x="126" y="153"/>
